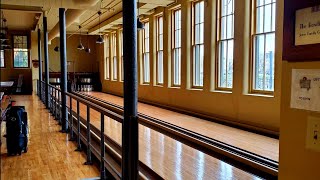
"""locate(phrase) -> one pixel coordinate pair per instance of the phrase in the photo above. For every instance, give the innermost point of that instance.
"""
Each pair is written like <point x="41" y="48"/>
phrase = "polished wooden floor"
<point x="167" y="157"/>
<point x="50" y="155"/>
<point x="258" y="144"/>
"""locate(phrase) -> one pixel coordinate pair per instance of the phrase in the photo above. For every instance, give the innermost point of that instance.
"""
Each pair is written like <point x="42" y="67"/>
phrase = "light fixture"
<point x="80" y="46"/>
<point x="5" y="44"/>
<point x="4" y="41"/>
<point x="3" y="36"/>
<point x="140" y="25"/>
<point x="100" y="39"/>
<point x="88" y="50"/>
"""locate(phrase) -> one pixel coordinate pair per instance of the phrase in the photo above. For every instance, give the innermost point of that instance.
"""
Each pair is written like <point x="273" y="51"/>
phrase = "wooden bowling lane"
<point x="50" y="154"/>
<point x="168" y="157"/>
<point x="258" y="144"/>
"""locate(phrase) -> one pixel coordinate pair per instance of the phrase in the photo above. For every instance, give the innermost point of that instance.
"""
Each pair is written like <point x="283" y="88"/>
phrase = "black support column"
<point x="63" y="64"/>
<point x="40" y="61"/>
<point x="130" y="150"/>
<point x="46" y="60"/>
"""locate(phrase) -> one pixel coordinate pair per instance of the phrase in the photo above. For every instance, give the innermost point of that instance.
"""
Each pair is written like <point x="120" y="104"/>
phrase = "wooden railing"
<point x="110" y="151"/>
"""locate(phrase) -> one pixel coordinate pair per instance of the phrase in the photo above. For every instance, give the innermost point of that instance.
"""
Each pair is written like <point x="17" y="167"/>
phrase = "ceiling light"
<point x="4" y="29"/>
<point x="100" y="39"/>
<point x="3" y="37"/>
<point x="80" y="46"/>
<point x="140" y="25"/>
<point x="88" y="50"/>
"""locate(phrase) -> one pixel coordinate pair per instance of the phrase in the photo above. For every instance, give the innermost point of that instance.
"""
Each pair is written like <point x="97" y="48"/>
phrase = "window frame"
<point x="4" y="60"/>
<point x="193" y="44"/>
<point x="121" y="56"/>
<point x="158" y="50"/>
<point x="114" y="67"/>
<point x="145" y="53"/>
<point x="28" y="50"/>
<point x="107" y="58"/>
<point x="217" y="49"/>
<point x="174" y="48"/>
<point x="252" y="48"/>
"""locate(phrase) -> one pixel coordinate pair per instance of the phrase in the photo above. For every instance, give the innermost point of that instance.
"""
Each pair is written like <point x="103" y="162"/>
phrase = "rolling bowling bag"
<point x="17" y="130"/>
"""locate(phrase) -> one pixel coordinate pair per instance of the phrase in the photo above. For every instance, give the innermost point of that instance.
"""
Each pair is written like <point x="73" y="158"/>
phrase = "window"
<point x="263" y="46"/>
<point x="121" y="59"/>
<point x="176" y="48"/>
<point x="114" y="55"/>
<point x="225" y="44"/>
<point x="20" y="52"/>
<point x="160" y="50"/>
<point x="145" y="51"/>
<point x="2" y="58"/>
<point x="107" y="51"/>
<point x="198" y="44"/>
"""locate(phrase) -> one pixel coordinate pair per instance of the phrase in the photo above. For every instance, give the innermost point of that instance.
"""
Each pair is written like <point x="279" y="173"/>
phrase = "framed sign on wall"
<point x="301" y="30"/>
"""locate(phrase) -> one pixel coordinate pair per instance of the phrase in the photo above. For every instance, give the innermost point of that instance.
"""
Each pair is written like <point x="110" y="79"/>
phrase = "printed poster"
<point x="305" y="89"/>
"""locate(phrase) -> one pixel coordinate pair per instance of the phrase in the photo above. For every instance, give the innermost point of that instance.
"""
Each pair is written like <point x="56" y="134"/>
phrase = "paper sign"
<point x="307" y="30"/>
<point x="305" y="89"/>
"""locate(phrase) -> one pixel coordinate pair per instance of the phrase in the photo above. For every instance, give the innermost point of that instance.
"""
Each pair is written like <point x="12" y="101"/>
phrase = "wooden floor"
<point x="258" y="144"/>
<point x="167" y="157"/>
<point x="50" y="155"/>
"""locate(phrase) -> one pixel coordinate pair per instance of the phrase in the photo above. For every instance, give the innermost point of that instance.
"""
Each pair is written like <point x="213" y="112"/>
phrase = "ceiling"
<point x="89" y="20"/>
<point x="21" y="20"/>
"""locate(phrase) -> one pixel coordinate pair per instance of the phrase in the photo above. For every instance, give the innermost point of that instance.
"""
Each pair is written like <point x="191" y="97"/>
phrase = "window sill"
<point x="260" y="95"/>
<point x="174" y="87"/>
<point x="145" y="84"/>
<point x="21" y="68"/>
<point x="195" y="89"/>
<point x="158" y="85"/>
<point x="222" y="91"/>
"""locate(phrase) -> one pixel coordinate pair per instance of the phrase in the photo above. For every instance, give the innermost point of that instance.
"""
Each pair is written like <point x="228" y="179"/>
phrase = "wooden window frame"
<point x="121" y="56"/>
<point x="144" y="53"/>
<point x="107" y="60"/>
<point x="4" y="60"/>
<point x="193" y="44"/>
<point x="218" y="40"/>
<point x="173" y="46"/>
<point x="114" y="55"/>
<point x="28" y="49"/>
<point x="253" y="34"/>
<point x="158" y="50"/>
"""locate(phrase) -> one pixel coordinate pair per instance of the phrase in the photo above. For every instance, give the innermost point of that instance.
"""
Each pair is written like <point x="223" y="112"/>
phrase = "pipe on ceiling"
<point x="71" y="16"/>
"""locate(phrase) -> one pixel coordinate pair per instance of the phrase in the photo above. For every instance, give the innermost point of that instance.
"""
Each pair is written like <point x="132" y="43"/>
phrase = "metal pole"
<point x="51" y="99"/>
<point x="71" y="121"/>
<point x="102" y="150"/>
<point x="89" y="161"/>
<point x="130" y="136"/>
<point x="38" y="90"/>
<point x="63" y="64"/>
<point x="78" y="130"/>
<point x="60" y="116"/>
<point x="46" y="59"/>
<point x="40" y="60"/>
<point x="54" y="102"/>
